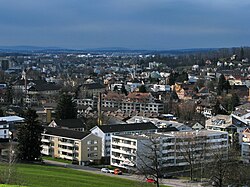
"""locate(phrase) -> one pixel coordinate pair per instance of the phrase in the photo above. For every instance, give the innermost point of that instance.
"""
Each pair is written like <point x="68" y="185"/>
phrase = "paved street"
<point x="169" y="182"/>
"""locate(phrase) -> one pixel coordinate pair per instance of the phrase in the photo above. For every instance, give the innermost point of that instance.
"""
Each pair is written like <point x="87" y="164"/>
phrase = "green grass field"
<point x="6" y="185"/>
<point x="50" y="176"/>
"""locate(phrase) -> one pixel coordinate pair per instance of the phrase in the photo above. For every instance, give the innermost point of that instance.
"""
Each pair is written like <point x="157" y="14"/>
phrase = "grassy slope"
<point x="49" y="176"/>
<point x="7" y="185"/>
<point x="57" y="159"/>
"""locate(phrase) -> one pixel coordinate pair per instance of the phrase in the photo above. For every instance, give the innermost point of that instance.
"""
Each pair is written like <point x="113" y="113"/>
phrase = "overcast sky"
<point x="134" y="24"/>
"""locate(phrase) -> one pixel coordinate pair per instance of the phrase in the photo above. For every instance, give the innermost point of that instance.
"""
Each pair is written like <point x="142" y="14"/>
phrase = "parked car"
<point x="166" y="176"/>
<point x="105" y="170"/>
<point x="150" y="180"/>
<point x="111" y="171"/>
<point x="117" y="171"/>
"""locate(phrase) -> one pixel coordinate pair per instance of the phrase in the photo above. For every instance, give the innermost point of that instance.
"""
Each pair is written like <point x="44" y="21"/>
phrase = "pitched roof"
<point x="127" y="127"/>
<point x="65" y="133"/>
<point x="45" y="87"/>
<point x="70" y="123"/>
<point x="90" y="86"/>
<point x="22" y="82"/>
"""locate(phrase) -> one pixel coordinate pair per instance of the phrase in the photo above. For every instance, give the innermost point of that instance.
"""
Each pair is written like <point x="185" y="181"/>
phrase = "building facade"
<point x="4" y="130"/>
<point x="173" y="148"/>
<point x="106" y="131"/>
<point x="82" y="147"/>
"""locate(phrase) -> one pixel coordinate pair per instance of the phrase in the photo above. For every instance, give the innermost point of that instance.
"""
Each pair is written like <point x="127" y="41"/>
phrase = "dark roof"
<point x="45" y="87"/>
<point x="22" y="82"/>
<point x="93" y="86"/>
<point x="167" y="129"/>
<point x="65" y="132"/>
<point x="70" y="123"/>
<point x="127" y="127"/>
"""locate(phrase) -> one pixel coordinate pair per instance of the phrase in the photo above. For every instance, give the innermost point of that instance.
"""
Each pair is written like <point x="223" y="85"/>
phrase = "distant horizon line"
<point x="34" y="47"/>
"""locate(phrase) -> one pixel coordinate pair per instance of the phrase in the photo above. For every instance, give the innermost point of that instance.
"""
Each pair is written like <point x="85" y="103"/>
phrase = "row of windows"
<point x="92" y="142"/>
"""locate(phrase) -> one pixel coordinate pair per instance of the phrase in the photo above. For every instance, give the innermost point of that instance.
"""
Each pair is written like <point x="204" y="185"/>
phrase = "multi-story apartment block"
<point x="86" y="102"/>
<point x="106" y="131"/>
<point x="173" y="148"/>
<point x="4" y="130"/>
<point x="245" y="147"/>
<point x="135" y="101"/>
<point x="82" y="147"/>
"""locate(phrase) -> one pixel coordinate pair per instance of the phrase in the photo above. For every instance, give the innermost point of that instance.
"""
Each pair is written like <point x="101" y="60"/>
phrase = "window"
<point x="95" y="148"/>
<point x="5" y="131"/>
<point x="89" y="142"/>
<point x="95" y="141"/>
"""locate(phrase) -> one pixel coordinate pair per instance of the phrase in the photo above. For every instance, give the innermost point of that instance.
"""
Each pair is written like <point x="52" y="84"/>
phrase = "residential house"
<point x="72" y="124"/>
<point x="198" y="126"/>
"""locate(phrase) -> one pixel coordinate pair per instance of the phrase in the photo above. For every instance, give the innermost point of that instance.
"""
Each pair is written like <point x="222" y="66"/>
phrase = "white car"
<point x="105" y="170"/>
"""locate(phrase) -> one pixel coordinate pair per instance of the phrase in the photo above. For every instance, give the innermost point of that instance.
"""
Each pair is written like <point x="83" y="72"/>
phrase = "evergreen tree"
<point x="1" y="112"/>
<point x="226" y="86"/>
<point x="235" y="100"/>
<point x="9" y="94"/>
<point x="66" y="108"/>
<point x="171" y="79"/>
<point x="123" y="90"/>
<point x="221" y="84"/>
<point x="29" y="138"/>
<point x="142" y="89"/>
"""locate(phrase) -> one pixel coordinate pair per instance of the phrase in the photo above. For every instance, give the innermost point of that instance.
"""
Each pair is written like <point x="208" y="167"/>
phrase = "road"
<point x="168" y="182"/>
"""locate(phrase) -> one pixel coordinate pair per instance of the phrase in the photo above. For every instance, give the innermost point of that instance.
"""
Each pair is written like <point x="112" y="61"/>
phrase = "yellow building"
<point x="80" y="147"/>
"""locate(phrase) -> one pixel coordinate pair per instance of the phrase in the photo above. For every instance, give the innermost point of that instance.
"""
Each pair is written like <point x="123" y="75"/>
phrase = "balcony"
<point x="66" y="157"/>
<point x="124" y="152"/>
<point x="123" y="144"/>
<point x="67" y="150"/>
<point x="66" y="144"/>
<point x="46" y="140"/>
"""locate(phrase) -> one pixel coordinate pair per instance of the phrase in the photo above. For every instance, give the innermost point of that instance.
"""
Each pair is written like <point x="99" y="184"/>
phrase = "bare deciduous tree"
<point x="148" y="162"/>
<point x="8" y="173"/>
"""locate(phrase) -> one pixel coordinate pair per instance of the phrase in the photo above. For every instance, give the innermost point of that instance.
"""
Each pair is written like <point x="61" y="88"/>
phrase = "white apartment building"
<point x="4" y="130"/>
<point x="135" y="101"/>
<point x="128" y="106"/>
<point x="127" y="151"/>
<point x="245" y="147"/>
<point x="85" y="102"/>
<point x="106" y="131"/>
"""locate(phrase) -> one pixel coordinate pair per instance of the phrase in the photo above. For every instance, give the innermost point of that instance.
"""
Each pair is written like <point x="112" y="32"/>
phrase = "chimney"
<point x="99" y="109"/>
